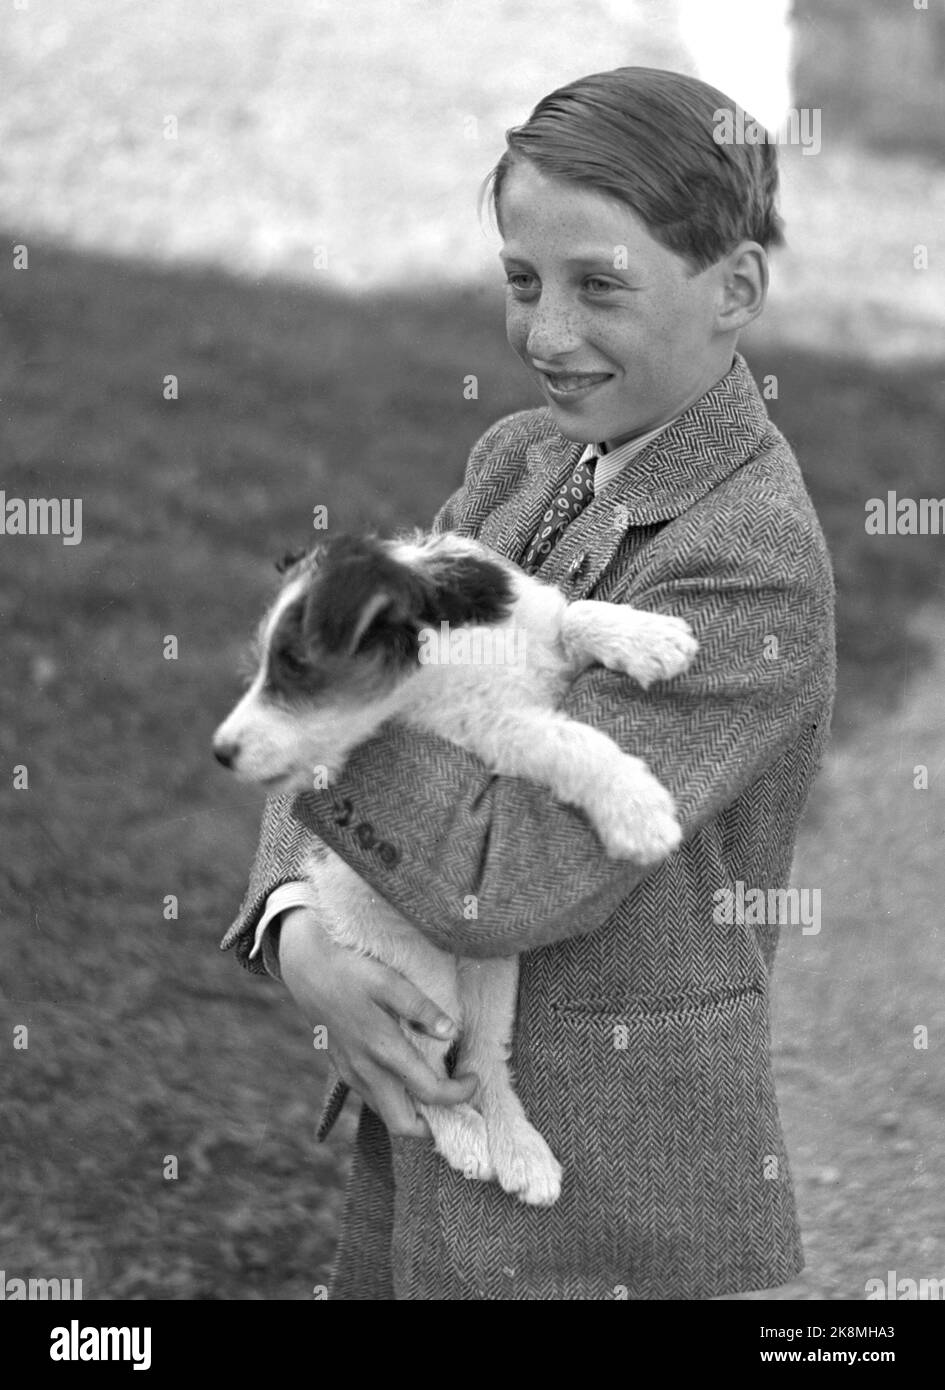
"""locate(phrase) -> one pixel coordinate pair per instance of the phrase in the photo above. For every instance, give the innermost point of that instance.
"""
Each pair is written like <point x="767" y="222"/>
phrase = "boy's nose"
<point x="552" y="335"/>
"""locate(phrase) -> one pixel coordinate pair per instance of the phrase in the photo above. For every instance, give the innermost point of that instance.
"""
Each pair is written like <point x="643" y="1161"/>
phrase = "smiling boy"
<point x="617" y="352"/>
<point x="635" y="251"/>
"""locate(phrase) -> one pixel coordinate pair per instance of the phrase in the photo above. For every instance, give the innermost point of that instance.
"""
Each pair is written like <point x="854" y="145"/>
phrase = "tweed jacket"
<point x="642" y="1045"/>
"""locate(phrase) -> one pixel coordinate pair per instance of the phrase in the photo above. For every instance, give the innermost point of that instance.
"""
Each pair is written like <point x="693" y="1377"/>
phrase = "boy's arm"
<point x="489" y="865"/>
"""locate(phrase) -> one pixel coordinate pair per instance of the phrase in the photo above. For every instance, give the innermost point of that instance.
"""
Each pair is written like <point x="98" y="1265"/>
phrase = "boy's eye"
<point x="596" y="284"/>
<point x="521" y="281"/>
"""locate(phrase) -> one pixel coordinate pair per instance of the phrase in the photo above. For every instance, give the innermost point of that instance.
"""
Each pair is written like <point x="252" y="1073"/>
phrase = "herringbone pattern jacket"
<point x="642" y="1043"/>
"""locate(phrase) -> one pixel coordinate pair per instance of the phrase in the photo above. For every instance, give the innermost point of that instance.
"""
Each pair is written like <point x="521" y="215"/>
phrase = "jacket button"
<point x="364" y="834"/>
<point x="388" y="854"/>
<point x="578" y="565"/>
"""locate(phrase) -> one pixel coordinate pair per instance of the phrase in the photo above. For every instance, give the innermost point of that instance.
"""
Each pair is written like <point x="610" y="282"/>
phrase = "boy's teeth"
<point x="573" y="383"/>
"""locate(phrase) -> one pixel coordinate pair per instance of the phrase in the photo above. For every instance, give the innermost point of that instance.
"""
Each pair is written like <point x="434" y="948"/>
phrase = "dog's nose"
<point x="225" y="753"/>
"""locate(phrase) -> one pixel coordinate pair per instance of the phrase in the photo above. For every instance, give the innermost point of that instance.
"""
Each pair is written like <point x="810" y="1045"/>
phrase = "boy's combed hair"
<point x="647" y="138"/>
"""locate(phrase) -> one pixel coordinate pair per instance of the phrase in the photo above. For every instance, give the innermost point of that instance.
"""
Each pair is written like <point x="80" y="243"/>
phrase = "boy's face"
<point x="616" y="351"/>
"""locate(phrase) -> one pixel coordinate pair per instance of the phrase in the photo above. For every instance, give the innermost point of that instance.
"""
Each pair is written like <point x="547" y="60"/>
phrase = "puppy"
<point x="445" y="635"/>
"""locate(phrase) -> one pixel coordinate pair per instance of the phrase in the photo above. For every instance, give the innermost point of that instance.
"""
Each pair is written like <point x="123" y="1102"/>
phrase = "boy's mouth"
<point x="572" y="386"/>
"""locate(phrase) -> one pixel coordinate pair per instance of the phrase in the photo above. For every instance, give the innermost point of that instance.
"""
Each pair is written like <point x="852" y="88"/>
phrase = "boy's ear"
<point x="744" y="286"/>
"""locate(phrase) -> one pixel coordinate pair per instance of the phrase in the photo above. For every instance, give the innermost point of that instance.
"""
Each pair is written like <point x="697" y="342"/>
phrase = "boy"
<point x="635" y="253"/>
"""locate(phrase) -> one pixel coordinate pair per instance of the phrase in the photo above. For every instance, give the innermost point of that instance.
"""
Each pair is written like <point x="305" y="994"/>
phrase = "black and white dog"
<point x="444" y="634"/>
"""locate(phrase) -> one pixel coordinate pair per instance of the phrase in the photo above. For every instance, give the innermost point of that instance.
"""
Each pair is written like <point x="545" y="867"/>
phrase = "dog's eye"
<point x="291" y="662"/>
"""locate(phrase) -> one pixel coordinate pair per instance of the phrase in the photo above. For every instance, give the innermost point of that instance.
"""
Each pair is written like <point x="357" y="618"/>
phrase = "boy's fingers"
<point x="426" y="1086"/>
<point x="396" y="1109"/>
<point x="400" y="997"/>
<point x="402" y="1063"/>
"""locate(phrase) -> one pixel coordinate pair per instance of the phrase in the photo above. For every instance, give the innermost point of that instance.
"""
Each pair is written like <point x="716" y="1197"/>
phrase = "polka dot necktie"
<point x="570" y="502"/>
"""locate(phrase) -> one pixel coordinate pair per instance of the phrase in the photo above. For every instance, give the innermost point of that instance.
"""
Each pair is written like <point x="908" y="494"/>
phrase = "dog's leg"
<point x="647" y="646"/>
<point x="356" y="917"/>
<point x="523" y="1162"/>
<point x="459" y="1131"/>
<point x="631" y="811"/>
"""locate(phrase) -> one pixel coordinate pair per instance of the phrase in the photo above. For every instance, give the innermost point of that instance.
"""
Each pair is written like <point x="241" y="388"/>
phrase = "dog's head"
<point x="334" y="650"/>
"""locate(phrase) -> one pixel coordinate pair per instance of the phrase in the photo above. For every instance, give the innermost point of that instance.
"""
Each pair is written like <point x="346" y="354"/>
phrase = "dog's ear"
<point x="380" y="605"/>
<point x="470" y="589"/>
<point x="290" y="558"/>
<point x="367" y="602"/>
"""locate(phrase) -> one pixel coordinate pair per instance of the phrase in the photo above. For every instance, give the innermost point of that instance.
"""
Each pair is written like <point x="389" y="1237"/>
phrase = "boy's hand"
<point x="359" y="1001"/>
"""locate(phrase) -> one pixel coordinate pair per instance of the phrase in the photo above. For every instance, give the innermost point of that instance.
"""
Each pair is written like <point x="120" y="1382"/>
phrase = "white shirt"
<point x="610" y="463"/>
<point x="614" y="461"/>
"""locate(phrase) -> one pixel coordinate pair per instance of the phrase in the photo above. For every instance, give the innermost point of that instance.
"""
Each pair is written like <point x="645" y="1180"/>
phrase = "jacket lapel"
<point x="511" y="526"/>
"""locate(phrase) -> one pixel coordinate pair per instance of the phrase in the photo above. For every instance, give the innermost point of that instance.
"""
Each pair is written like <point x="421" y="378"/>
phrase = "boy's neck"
<point x="608" y="446"/>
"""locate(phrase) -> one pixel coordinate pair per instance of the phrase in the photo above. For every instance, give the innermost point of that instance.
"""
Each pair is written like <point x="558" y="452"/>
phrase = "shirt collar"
<point x="611" y="462"/>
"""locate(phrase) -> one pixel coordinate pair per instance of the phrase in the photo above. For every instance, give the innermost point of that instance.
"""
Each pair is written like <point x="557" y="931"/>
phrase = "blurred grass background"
<point x="298" y="388"/>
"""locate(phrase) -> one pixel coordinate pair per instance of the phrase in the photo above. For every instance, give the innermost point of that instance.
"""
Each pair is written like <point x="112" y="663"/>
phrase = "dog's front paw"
<point x="459" y="1133"/>
<point x="525" y="1166"/>
<point x="636" y="816"/>
<point x="663" y="647"/>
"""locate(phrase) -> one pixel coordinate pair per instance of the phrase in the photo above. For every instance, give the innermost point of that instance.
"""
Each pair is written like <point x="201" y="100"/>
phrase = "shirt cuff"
<point x="280" y="900"/>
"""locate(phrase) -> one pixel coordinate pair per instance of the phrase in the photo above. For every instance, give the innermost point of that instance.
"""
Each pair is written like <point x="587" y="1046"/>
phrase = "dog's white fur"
<point x="505" y="714"/>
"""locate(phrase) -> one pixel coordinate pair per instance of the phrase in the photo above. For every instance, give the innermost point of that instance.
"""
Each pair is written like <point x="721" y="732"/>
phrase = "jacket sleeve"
<point x="489" y="865"/>
<point x="285" y="842"/>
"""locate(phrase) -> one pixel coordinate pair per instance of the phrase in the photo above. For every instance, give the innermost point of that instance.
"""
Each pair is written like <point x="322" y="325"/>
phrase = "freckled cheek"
<point x="516" y="328"/>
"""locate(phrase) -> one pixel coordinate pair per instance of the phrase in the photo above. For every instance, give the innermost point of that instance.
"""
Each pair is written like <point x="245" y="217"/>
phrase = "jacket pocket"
<point x="676" y="1185"/>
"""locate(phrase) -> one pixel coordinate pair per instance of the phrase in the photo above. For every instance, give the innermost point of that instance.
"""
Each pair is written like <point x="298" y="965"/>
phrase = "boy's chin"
<point x="589" y="426"/>
<point x="578" y="431"/>
<point x="599" y="429"/>
<point x="591" y="430"/>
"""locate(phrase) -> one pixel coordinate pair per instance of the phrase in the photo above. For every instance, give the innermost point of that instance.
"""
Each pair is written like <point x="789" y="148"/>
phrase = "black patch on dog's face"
<point x="353" y="572"/>
<point x="359" y="582"/>
<point x="290" y="669"/>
